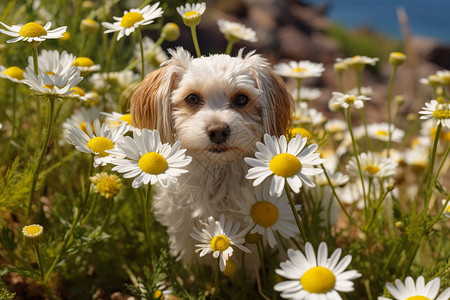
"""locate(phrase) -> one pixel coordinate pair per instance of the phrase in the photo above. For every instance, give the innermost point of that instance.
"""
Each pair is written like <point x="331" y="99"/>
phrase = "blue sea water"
<point x="426" y="17"/>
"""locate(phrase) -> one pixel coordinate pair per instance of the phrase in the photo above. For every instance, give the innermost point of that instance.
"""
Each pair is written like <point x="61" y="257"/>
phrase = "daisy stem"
<point x="259" y="246"/>
<point x="108" y="216"/>
<point x="216" y="279"/>
<point x="40" y="261"/>
<point x="444" y="206"/>
<point x="294" y="212"/>
<point x="91" y="209"/>
<point x="355" y="153"/>
<point x="389" y="99"/>
<point x="146" y="208"/>
<point x="195" y="40"/>
<point x="299" y="87"/>
<point x="363" y="111"/>
<point x="41" y="155"/>
<point x="141" y="46"/>
<point x="341" y="82"/>
<point x="336" y="196"/>
<point x="111" y="52"/>
<point x="377" y="206"/>
<point x="34" y="53"/>
<point x="229" y="47"/>
<point x="14" y="108"/>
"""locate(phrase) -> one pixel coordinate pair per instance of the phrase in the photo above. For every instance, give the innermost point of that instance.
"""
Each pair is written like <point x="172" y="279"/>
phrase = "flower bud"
<point x="89" y="26"/>
<point x="33" y="234"/>
<point x="340" y="67"/>
<point x="171" y="32"/>
<point x="397" y="58"/>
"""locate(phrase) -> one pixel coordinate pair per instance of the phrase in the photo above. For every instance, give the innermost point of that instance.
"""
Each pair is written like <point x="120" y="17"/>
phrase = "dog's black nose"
<point x="218" y="133"/>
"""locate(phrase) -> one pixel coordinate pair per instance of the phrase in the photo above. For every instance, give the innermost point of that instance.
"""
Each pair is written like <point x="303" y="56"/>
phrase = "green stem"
<point x="41" y="155"/>
<point x="261" y="259"/>
<point x="141" y="45"/>
<point x="108" y="216"/>
<point x="229" y="47"/>
<point x="91" y="209"/>
<point x="40" y="261"/>
<point x="389" y="99"/>
<point x="294" y="212"/>
<point x="64" y="169"/>
<point x="216" y="279"/>
<point x="341" y="82"/>
<point x="111" y="52"/>
<point x="439" y="214"/>
<point x="299" y="87"/>
<point x="14" y="108"/>
<point x="34" y="53"/>
<point x="195" y="40"/>
<point x="146" y="211"/>
<point x="377" y="206"/>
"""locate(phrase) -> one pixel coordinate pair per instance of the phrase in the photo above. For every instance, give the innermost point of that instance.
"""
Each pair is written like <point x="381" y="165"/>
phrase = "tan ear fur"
<point x="150" y="105"/>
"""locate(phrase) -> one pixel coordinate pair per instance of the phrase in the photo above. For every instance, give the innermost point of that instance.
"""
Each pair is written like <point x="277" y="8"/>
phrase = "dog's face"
<point x="217" y="106"/>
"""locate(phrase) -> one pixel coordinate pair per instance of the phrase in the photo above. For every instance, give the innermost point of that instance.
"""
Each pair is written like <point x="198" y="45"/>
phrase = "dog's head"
<point x="217" y="106"/>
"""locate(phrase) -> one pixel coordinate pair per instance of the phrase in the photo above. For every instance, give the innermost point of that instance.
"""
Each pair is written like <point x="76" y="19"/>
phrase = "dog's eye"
<point x="240" y="100"/>
<point x="192" y="99"/>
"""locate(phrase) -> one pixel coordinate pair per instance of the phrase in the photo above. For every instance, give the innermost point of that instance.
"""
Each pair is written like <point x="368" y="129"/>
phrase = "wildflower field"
<point x="340" y="207"/>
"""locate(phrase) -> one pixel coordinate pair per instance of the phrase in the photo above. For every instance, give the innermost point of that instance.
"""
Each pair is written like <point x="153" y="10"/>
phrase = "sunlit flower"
<point x="358" y="62"/>
<point x="15" y="74"/>
<point x="291" y="163"/>
<point x="268" y="214"/>
<point x="147" y="160"/>
<point x="310" y="277"/>
<point x="432" y="80"/>
<point x="33" y="234"/>
<point x="85" y="64"/>
<point x="397" y="58"/>
<point x="418" y="290"/>
<point x="346" y="100"/>
<point x="115" y="119"/>
<point x="192" y="13"/>
<point x="96" y="140"/>
<point x="133" y="19"/>
<point x="373" y="165"/>
<point x="53" y="62"/>
<point x="107" y="185"/>
<point x="439" y="111"/>
<point x="380" y="131"/>
<point x="219" y="237"/>
<point x="234" y="31"/>
<point x="32" y="32"/>
<point x="53" y="85"/>
<point x="300" y="70"/>
<point x="80" y="117"/>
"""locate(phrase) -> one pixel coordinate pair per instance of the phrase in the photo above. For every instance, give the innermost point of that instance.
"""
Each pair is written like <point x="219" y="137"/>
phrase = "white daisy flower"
<point x="85" y="64"/>
<point x="234" y="31"/>
<point x="15" y="74"/>
<point x="365" y="90"/>
<point x="133" y="19"/>
<point x="58" y="84"/>
<point x="291" y="163"/>
<point x="103" y="82"/>
<point x="153" y="57"/>
<point x="115" y="119"/>
<point x="311" y="277"/>
<point x="96" y="140"/>
<point x="53" y="62"/>
<point x="300" y="70"/>
<point x="336" y="127"/>
<point x="268" y="214"/>
<point x="306" y="94"/>
<point x="304" y="114"/>
<point x="373" y="165"/>
<point x="417" y="157"/>
<point x="418" y="290"/>
<point x="380" y="131"/>
<point x="438" y="111"/>
<point x="147" y="160"/>
<point x="345" y="100"/>
<point x="32" y="32"/>
<point x="447" y="208"/>
<point x="358" y="61"/>
<point x="192" y="13"/>
<point x="218" y="237"/>
<point x="444" y="76"/>
<point x="80" y="117"/>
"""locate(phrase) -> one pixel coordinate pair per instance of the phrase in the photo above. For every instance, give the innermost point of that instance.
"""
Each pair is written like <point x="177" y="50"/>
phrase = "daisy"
<point x="345" y="100"/>
<point x="373" y="165"/>
<point x="80" y="117"/>
<point x="234" y="31"/>
<point x="192" y="13"/>
<point x="365" y="90"/>
<point x="147" y="160"/>
<point x="32" y="32"/>
<point x="444" y="75"/>
<point x="418" y="290"/>
<point x="53" y="62"/>
<point x="336" y="127"/>
<point x="96" y="140"/>
<point x="115" y="119"/>
<point x="284" y="162"/>
<point x="311" y="277"/>
<point x="438" y="111"/>
<point x="447" y="208"/>
<point x="306" y="94"/>
<point x="432" y="80"/>
<point x="218" y="237"/>
<point x="85" y="64"/>
<point x="53" y="85"/>
<point x="417" y="158"/>
<point x="15" y="74"/>
<point x="304" y="114"/>
<point x="268" y="214"/>
<point x="107" y="185"/>
<point x="359" y="61"/>
<point x="133" y="19"/>
<point x="380" y="131"/>
<point x="33" y="234"/>
<point x="300" y="70"/>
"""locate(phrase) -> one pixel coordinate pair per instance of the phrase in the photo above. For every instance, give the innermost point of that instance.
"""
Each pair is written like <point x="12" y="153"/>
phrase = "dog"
<point x="218" y="107"/>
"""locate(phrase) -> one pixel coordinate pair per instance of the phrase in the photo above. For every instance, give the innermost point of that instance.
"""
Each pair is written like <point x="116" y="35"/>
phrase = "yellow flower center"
<point x="127" y="118"/>
<point x="65" y="36"/>
<point x="285" y="165"/>
<point x="441" y="114"/>
<point x="190" y="13"/>
<point x="318" y="280"/>
<point x="153" y="163"/>
<point x="83" y="62"/>
<point x="158" y="295"/>
<point x="220" y="243"/>
<point x="108" y="185"/>
<point x="130" y="19"/>
<point x="302" y="131"/>
<point x="371" y="169"/>
<point x="350" y="99"/>
<point x="417" y="298"/>
<point x="298" y="70"/>
<point x="264" y="213"/>
<point x="77" y="91"/>
<point x="32" y="229"/>
<point x="381" y="132"/>
<point x="99" y="145"/>
<point x="14" y="72"/>
<point x="32" y="30"/>
<point x="447" y="209"/>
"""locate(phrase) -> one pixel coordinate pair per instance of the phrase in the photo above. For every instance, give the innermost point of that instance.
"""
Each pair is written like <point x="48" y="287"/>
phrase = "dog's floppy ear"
<point x="278" y="104"/>
<point x="151" y="103"/>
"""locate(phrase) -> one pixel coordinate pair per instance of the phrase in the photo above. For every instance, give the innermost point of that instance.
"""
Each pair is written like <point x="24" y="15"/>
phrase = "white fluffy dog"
<point x="218" y="107"/>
